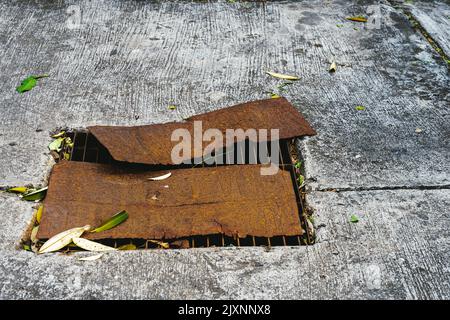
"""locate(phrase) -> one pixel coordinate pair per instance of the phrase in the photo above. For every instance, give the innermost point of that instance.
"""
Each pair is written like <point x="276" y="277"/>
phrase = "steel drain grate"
<point x="86" y="148"/>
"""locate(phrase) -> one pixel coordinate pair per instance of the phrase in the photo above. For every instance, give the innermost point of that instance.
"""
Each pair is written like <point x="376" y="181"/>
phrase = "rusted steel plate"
<point x="151" y="144"/>
<point x="234" y="200"/>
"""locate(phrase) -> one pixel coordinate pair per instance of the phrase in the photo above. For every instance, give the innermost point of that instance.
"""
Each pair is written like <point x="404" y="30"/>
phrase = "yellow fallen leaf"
<point x="164" y="176"/>
<point x="91" y="245"/>
<point x="274" y="96"/>
<point x="127" y="247"/>
<point x="357" y="19"/>
<point x="62" y="239"/>
<point x="282" y="76"/>
<point x="92" y="258"/>
<point x="59" y="135"/>
<point x="39" y="214"/>
<point x="18" y="189"/>
<point x="165" y="245"/>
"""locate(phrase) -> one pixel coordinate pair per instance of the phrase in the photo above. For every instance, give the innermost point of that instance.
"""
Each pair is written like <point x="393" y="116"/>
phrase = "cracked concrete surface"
<point x="125" y="62"/>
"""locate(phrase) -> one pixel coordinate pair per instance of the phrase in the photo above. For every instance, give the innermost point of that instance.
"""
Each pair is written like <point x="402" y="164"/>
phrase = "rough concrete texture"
<point x="125" y="62"/>
<point x="434" y="17"/>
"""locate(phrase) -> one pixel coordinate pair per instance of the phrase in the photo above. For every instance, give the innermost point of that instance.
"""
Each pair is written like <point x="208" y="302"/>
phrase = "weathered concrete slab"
<point x="434" y="16"/>
<point x="399" y="249"/>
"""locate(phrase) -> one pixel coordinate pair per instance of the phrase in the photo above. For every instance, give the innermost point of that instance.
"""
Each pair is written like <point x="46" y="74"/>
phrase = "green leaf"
<point x="29" y="83"/>
<point x="360" y="108"/>
<point x="172" y="107"/>
<point x="27" y="247"/>
<point x="56" y="145"/>
<point x="301" y="180"/>
<point x="298" y="164"/>
<point x="354" y="218"/>
<point x="115" y="220"/>
<point x="35" y="195"/>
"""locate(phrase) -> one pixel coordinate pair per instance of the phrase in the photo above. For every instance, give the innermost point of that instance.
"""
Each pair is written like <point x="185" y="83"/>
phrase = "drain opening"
<point x="86" y="148"/>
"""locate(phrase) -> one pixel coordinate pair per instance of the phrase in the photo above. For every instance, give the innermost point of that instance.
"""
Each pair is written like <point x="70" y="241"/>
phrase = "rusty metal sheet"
<point x="151" y="144"/>
<point x="234" y="200"/>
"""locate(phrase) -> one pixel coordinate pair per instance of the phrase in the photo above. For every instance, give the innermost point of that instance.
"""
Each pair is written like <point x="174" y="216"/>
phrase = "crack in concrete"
<point x="350" y="189"/>
<point x="418" y="26"/>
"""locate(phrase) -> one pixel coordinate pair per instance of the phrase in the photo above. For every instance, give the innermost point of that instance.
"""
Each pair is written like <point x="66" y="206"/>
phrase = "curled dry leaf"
<point x="115" y="220"/>
<point x="165" y="176"/>
<point x="282" y="76"/>
<point x="91" y="245"/>
<point x="333" y="67"/>
<point x="165" y="245"/>
<point x="62" y="239"/>
<point x="92" y="258"/>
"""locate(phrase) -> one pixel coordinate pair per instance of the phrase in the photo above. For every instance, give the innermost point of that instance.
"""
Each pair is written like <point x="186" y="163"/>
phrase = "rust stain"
<point x="233" y="200"/>
<point x="151" y="144"/>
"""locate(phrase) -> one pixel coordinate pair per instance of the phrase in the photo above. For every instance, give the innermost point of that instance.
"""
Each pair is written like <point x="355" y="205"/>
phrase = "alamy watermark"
<point x="230" y="145"/>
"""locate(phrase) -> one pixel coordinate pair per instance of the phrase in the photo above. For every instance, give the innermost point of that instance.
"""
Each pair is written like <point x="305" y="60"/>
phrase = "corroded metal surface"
<point x="233" y="200"/>
<point x="151" y="144"/>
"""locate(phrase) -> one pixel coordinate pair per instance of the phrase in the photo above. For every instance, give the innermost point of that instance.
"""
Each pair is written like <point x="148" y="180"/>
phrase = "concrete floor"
<point x="124" y="62"/>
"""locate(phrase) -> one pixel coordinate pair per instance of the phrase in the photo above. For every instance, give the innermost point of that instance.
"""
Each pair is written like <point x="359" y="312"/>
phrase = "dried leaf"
<point x="357" y="19"/>
<point x="115" y="220"/>
<point x="333" y="67"/>
<point x="59" y="135"/>
<point x="56" y="145"/>
<point x="165" y="176"/>
<point x="282" y="76"/>
<point x="418" y="130"/>
<point x="33" y="234"/>
<point x="92" y="258"/>
<point x="62" y="239"/>
<point x="127" y="247"/>
<point x="35" y="195"/>
<point x="91" y="245"/>
<point x="354" y="218"/>
<point x="39" y="214"/>
<point x="165" y="245"/>
<point x="17" y="190"/>
<point x="274" y="96"/>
